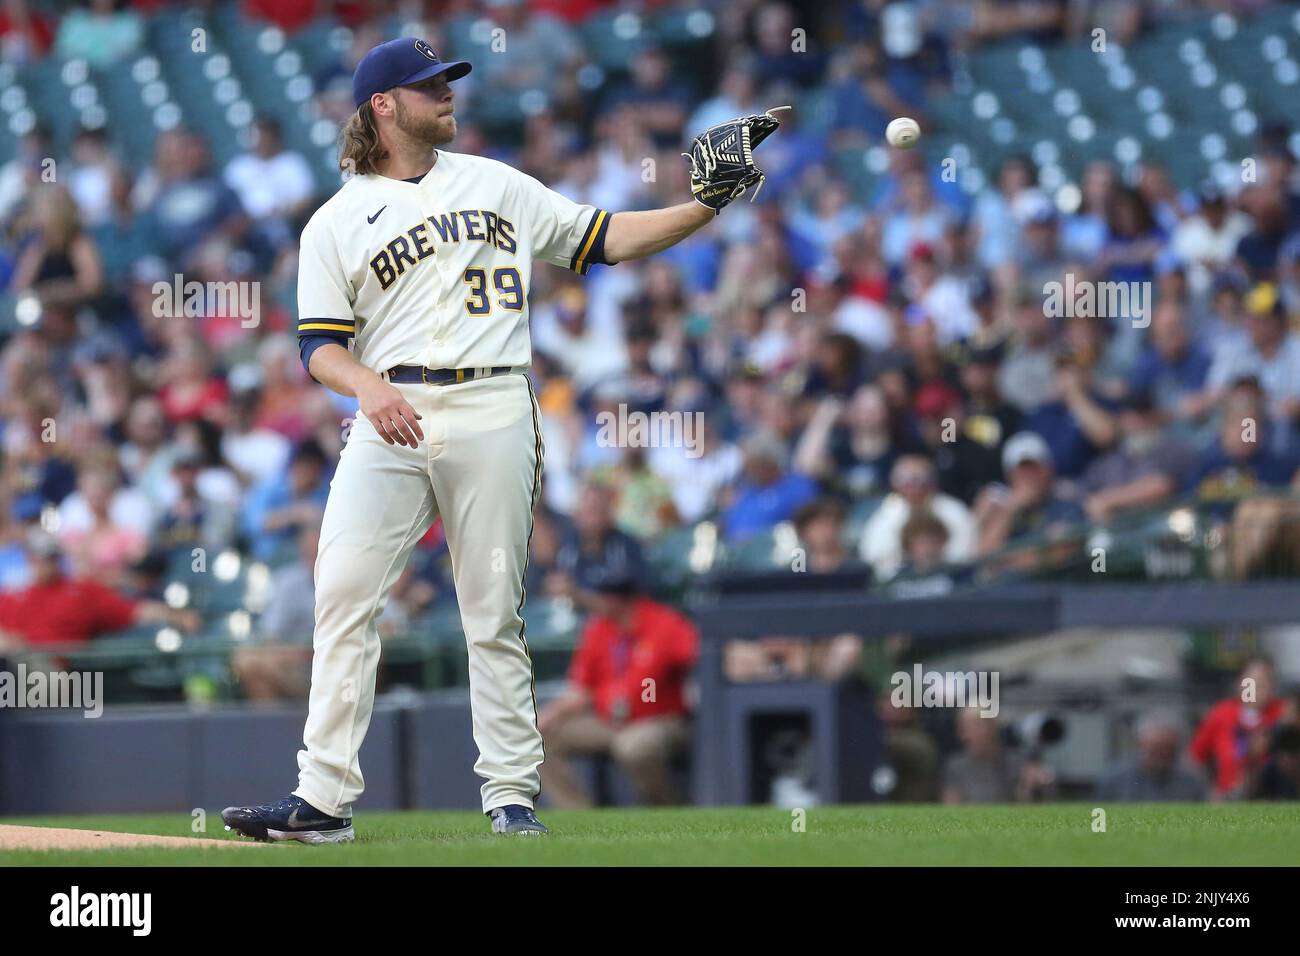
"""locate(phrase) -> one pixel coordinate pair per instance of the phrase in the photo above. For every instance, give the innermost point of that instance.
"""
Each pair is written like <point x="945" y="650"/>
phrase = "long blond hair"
<point x="360" y="150"/>
<point x="56" y="212"/>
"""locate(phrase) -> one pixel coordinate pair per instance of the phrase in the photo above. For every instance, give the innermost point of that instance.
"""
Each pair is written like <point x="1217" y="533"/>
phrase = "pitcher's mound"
<point x="62" y="838"/>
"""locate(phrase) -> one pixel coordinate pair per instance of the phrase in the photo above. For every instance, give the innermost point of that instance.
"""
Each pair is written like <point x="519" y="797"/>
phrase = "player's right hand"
<point x="392" y="415"/>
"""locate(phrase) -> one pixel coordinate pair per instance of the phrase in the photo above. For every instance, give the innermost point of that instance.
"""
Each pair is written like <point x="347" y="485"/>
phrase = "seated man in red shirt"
<point x="55" y="609"/>
<point x="626" y="696"/>
<point x="1234" y="735"/>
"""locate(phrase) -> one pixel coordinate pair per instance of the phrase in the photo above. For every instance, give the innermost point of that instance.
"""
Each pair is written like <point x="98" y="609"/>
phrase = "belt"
<point x="419" y="375"/>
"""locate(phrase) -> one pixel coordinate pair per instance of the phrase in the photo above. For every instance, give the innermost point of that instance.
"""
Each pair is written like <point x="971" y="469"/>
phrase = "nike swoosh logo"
<point x="371" y="219"/>
<point x="293" y="817"/>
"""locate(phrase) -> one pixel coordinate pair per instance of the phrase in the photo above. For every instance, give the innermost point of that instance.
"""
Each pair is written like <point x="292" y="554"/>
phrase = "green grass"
<point x="1061" y="834"/>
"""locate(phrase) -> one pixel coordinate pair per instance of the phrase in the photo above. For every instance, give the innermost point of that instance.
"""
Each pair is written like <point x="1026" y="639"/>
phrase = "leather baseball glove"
<point x="722" y="158"/>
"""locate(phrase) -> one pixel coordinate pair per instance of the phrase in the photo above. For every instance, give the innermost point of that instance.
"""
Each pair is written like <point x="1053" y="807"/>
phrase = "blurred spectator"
<point x="833" y="217"/>
<point x="767" y="493"/>
<point x="644" y="506"/>
<point x="835" y="367"/>
<point x="284" y="393"/>
<point x="1146" y="468"/>
<point x="182" y="201"/>
<point x="20" y="176"/>
<point x="1271" y="352"/>
<point x="99" y="32"/>
<point x="588" y="352"/>
<point x="58" y="609"/>
<point x="1028" y="377"/>
<point x="25" y="34"/>
<point x="255" y="452"/>
<point x="277" y="664"/>
<point x="274" y="185"/>
<point x="104" y="527"/>
<point x="1267" y="204"/>
<point x="925" y="572"/>
<point x="963" y="465"/>
<point x="1078" y="423"/>
<point x="989" y="419"/>
<point x="594" y="550"/>
<point x="277" y="510"/>
<point x="1232" y="738"/>
<point x="920" y="218"/>
<point x="626" y="696"/>
<point x="1133" y="240"/>
<point x="333" y="82"/>
<point x="1279" y="778"/>
<point x="191" y="387"/>
<point x="60" y="265"/>
<point x="698" y="481"/>
<point x="92" y="180"/>
<point x="288" y="15"/>
<point x="540" y="47"/>
<point x="549" y="531"/>
<point x="849" y="446"/>
<point x="1241" y="462"/>
<point x="943" y="299"/>
<point x="1160" y="195"/>
<point x="1030" y="19"/>
<point x="912" y="753"/>
<point x="914" y="485"/>
<point x="1172" y="370"/>
<point x="985" y="771"/>
<point x="820" y="527"/>
<point x="777" y="58"/>
<point x="195" y="517"/>
<point x="1154" y="774"/>
<point x="1028" y="507"/>
<point x="1040" y="259"/>
<point x="661" y="101"/>
<point x="999" y="213"/>
<point x="1207" y="240"/>
<point x="1083" y="233"/>
<point x="869" y="91"/>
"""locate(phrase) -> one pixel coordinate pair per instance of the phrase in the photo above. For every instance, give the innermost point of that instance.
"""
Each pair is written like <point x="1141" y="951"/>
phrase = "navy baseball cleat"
<point x="516" y="819"/>
<point x="292" y="818"/>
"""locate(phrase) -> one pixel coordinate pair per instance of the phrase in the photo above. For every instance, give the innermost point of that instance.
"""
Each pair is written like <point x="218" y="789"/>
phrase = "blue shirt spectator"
<point x="766" y="493"/>
<point x="279" y="509"/>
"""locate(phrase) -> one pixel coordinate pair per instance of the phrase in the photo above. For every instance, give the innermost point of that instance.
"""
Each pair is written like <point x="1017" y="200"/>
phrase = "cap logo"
<point x="426" y="50"/>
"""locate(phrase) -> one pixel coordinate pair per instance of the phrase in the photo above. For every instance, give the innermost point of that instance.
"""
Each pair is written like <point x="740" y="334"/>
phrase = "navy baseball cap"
<point x="400" y="63"/>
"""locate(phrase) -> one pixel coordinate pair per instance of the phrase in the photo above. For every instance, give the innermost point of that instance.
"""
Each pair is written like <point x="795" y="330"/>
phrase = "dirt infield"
<point x="60" y="838"/>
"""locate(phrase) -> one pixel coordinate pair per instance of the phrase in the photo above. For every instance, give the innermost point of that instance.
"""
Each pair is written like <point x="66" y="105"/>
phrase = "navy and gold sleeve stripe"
<point x="315" y="332"/>
<point x="591" y="250"/>
<point x="313" y="326"/>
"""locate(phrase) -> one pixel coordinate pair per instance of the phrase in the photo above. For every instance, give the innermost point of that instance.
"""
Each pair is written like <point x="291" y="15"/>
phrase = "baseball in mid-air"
<point x="903" y="132"/>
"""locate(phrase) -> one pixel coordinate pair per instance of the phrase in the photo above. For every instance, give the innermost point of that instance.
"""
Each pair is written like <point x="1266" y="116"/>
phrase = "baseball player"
<point x="413" y="298"/>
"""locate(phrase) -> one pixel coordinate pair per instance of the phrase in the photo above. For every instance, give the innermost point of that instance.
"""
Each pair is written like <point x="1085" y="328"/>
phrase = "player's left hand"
<point x="722" y="159"/>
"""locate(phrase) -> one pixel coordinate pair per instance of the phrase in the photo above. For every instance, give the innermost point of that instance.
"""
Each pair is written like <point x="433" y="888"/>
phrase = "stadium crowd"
<point x="835" y="346"/>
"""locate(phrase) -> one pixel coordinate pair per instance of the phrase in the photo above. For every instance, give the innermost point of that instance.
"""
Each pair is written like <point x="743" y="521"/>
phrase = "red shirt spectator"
<point x="56" y="609"/>
<point x="197" y="400"/>
<point x="288" y="15"/>
<point x="575" y="11"/>
<point x="22" y="27"/>
<point x="65" y="611"/>
<point x="612" y="664"/>
<point x="1232" y="732"/>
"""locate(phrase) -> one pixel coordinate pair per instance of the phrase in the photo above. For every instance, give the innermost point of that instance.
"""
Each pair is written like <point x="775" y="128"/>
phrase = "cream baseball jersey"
<point x="436" y="272"/>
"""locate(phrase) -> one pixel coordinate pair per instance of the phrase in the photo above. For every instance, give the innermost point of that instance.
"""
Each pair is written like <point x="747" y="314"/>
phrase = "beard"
<point x="429" y="130"/>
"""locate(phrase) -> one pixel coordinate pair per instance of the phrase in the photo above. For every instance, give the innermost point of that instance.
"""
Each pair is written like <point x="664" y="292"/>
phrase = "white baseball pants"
<point x="480" y="468"/>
